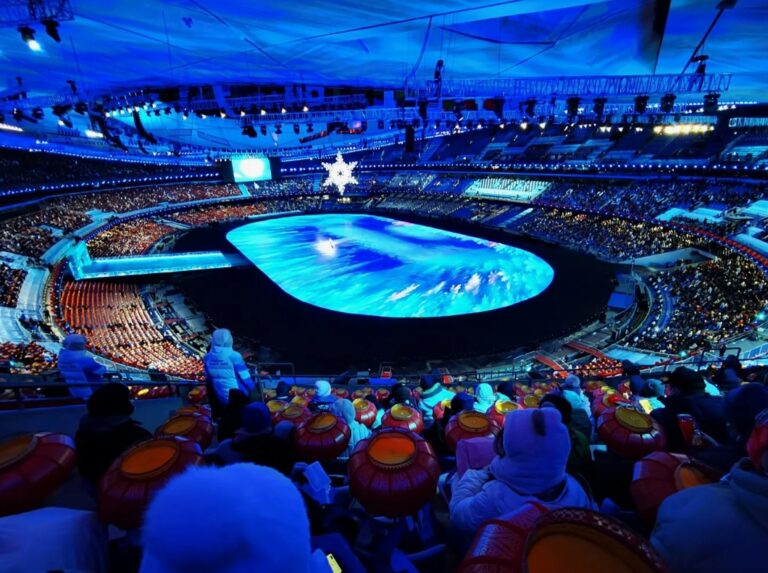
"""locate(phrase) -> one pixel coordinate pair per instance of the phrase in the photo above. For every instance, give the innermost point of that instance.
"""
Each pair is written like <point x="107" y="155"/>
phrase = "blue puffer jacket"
<point x="719" y="528"/>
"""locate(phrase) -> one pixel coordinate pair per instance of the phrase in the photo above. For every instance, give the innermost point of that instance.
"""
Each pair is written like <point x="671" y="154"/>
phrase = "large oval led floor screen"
<point x="375" y="266"/>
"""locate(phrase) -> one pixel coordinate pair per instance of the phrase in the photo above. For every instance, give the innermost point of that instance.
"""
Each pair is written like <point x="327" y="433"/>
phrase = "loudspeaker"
<point x="409" y="139"/>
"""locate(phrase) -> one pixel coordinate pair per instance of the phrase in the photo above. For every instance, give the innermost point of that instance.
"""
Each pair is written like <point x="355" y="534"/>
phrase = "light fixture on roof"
<point x="305" y="109"/>
<point x="283" y="110"/>
<point x="28" y="37"/>
<point x="52" y="29"/>
<point x="263" y="111"/>
<point x="598" y="106"/>
<point x="667" y="103"/>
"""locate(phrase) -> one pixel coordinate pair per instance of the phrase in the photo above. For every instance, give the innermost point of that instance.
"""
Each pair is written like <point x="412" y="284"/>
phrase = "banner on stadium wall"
<point x="744" y="122"/>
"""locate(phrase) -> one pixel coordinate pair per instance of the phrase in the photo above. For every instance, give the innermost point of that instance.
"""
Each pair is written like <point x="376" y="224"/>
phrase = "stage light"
<point x="81" y="108"/>
<point x="185" y="115"/>
<point x="667" y="103"/>
<point x="249" y="131"/>
<point x="242" y="113"/>
<point x="572" y="104"/>
<point x="598" y="105"/>
<point x="305" y="109"/>
<point x="283" y="110"/>
<point x="523" y="125"/>
<point x="223" y="114"/>
<point x="28" y="37"/>
<point x="263" y="111"/>
<point x="52" y="29"/>
<point x="641" y="103"/>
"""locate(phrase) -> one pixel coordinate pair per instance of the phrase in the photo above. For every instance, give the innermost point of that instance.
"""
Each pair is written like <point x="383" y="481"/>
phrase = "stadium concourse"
<point x="413" y="290"/>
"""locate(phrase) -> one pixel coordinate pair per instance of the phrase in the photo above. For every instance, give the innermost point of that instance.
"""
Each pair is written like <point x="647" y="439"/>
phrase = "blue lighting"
<point x="376" y="266"/>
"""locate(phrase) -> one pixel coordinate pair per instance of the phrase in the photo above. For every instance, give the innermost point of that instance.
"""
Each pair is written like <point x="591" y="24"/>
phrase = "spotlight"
<point x="185" y="115"/>
<point x="263" y="111"/>
<point x="641" y="103"/>
<point x="667" y="102"/>
<point x="249" y="130"/>
<point x="530" y="107"/>
<point x="305" y="109"/>
<point x="710" y="102"/>
<point x="81" y="108"/>
<point x="28" y="37"/>
<point x="572" y="104"/>
<point x="242" y="113"/>
<point x="283" y="110"/>
<point x="223" y="114"/>
<point x="598" y="106"/>
<point x="52" y="29"/>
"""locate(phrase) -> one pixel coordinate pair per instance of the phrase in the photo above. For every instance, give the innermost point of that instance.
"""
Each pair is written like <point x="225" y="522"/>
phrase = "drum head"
<point x="149" y="459"/>
<point x="580" y="549"/>
<point x="474" y="422"/>
<point x="392" y="451"/>
<point x="16" y="449"/>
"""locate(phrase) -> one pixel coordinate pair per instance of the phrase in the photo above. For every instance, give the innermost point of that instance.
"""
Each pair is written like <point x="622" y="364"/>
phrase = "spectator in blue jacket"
<point x="225" y="368"/>
<point x="77" y="367"/>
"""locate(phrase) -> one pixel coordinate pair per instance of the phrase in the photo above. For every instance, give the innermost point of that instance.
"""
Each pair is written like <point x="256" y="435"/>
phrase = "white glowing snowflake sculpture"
<point x="340" y="173"/>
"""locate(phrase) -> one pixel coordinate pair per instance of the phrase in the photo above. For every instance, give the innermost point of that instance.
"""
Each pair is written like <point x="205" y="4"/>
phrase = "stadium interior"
<point x="389" y="287"/>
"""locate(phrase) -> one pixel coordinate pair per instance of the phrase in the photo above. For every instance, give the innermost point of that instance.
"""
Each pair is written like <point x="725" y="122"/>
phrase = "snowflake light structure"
<point x="340" y="173"/>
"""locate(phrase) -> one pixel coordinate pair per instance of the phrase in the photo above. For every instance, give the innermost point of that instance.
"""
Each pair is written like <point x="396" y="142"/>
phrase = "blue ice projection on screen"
<point x="251" y="169"/>
<point x="375" y="266"/>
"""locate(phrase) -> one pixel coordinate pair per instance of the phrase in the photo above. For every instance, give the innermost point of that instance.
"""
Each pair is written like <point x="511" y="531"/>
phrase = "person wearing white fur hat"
<point x="78" y="367"/>
<point x="225" y="367"/>
<point x="255" y="521"/>
<point x="532" y="453"/>
<point x="324" y="398"/>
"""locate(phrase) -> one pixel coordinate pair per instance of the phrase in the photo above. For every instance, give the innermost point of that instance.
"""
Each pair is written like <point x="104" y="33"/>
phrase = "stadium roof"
<point x="128" y="43"/>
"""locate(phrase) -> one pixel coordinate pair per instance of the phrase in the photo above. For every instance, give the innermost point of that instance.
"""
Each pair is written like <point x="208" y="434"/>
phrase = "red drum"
<point x="438" y="412"/>
<point x="194" y="427"/>
<point x="757" y="444"/>
<point x="300" y="401"/>
<point x="382" y="394"/>
<point x="32" y="466"/>
<point x="321" y="438"/>
<point x="276" y="407"/>
<point x="365" y="411"/>
<point x="133" y="479"/>
<point x="530" y="401"/>
<point x="269" y="394"/>
<point x="661" y="474"/>
<point x="534" y="540"/>
<point x="193" y="409"/>
<point x="630" y="433"/>
<point x="498" y="412"/>
<point x="469" y="424"/>
<point x="294" y="414"/>
<point x="197" y="394"/>
<point x="362" y="392"/>
<point x="393" y="473"/>
<point x="341" y="393"/>
<point x="607" y="400"/>
<point x="402" y="416"/>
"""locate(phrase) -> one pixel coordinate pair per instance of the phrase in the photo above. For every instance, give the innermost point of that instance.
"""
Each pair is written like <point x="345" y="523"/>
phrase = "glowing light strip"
<point x="6" y="127"/>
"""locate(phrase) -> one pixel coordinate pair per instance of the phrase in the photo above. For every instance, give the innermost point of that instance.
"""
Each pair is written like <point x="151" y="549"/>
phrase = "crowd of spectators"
<point x="27" y="358"/>
<point x="34" y="232"/>
<point x="119" y="326"/>
<point x="135" y="199"/>
<point x="207" y="214"/>
<point x="131" y="238"/>
<point x="609" y="237"/>
<point x="18" y="168"/>
<point x="10" y="284"/>
<point x="648" y="198"/>
<point x="712" y="301"/>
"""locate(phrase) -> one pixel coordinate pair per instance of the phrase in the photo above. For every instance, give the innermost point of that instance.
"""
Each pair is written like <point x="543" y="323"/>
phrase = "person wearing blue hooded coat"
<point x="225" y="368"/>
<point x="78" y="367"/>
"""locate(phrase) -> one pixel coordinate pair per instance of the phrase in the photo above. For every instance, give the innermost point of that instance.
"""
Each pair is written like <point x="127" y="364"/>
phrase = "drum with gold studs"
<point x="630" y="433"/>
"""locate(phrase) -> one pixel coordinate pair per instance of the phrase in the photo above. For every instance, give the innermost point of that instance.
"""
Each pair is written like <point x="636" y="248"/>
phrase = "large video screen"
<point x="247" y="169"/>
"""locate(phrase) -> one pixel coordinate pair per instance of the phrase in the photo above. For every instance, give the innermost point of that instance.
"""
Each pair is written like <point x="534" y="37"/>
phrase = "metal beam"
<point x="574" y="85"/>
